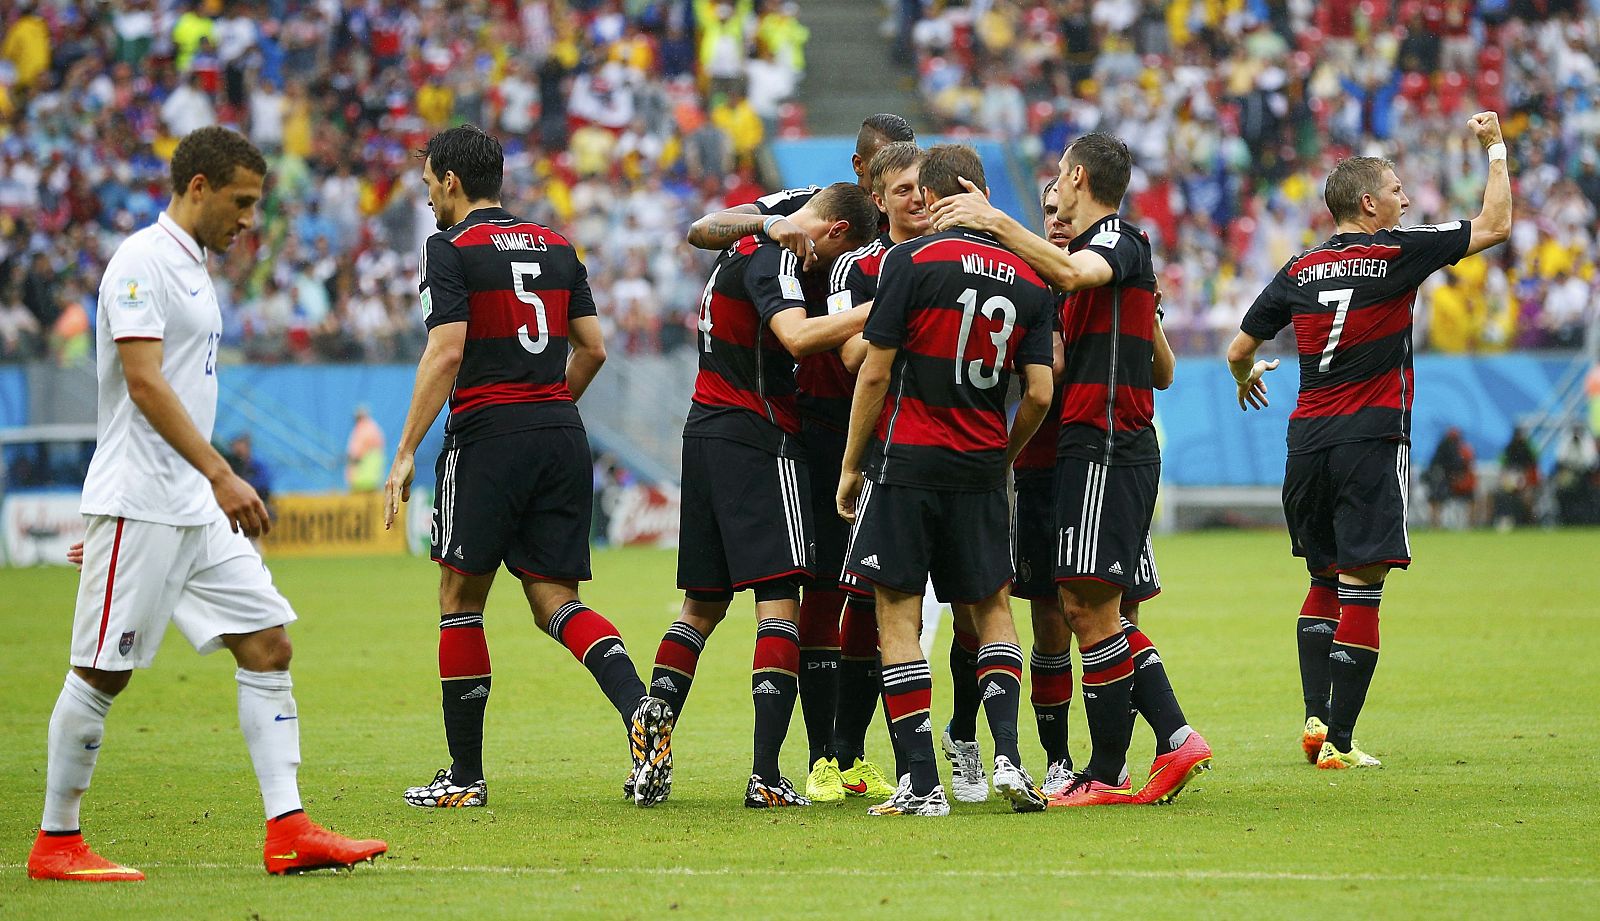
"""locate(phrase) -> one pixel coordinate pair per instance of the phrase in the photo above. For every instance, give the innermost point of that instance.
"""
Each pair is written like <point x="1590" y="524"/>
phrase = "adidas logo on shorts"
<point x="871" y="562"/>
<point x="476" y="693"/>
<point x="664" y="683"/>
<point x="1116" y="568"/>
<point x="992" y="690"/>
<point x="766" y="687"/>
<point x="1342" y="656"/>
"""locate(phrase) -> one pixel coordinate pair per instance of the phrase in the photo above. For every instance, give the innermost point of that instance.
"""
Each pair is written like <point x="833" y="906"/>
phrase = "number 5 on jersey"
<point x="522" y="274"/>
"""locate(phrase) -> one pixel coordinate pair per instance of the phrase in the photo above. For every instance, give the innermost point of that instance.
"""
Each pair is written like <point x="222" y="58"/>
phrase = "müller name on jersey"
<point x="1344" y="268"/>
<point x="989" y="268"/>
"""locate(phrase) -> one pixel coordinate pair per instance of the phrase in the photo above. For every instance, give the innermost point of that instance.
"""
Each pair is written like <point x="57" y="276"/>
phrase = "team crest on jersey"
<point x="125" y="645"/>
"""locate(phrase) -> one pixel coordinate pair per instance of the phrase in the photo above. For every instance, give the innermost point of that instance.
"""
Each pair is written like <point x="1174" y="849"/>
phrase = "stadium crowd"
<point x="1236" y="109"/>
<point x="621" y="123"/>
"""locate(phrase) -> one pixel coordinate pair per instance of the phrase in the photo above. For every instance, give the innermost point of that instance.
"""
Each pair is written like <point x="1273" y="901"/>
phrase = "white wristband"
<point x="766" y="225"/>
<point x="1497" y="151"/>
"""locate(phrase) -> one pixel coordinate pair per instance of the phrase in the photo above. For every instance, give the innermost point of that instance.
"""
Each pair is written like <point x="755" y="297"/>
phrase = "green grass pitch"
<point x="1487" y="685"/>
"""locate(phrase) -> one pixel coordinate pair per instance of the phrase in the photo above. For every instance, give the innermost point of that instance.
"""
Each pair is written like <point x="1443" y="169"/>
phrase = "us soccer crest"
<point x="125" y="645"/>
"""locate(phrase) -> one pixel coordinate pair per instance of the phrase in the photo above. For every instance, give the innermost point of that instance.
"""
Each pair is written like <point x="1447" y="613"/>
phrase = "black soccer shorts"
<point x="524" y="499"/>
<point x="1347" y="505"/>
<point x="824" y="456"/>
<point x="904" y="534"/>
<point x="745" y="517"/>
<point x="1103" y="523"/>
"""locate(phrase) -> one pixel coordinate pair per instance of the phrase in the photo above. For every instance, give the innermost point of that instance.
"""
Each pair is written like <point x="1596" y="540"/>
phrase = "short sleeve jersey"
<point x="1107" y="404"/>
<point x="745" y="389"/>
<point x="963" y="312"/>
<point x="516" y="285"/>
<point x="155" y="287"/>
<point x="1350" y="302"/>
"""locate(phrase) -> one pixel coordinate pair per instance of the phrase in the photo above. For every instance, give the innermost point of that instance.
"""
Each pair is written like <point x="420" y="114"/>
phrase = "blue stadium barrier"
<point x="821" y="160"/>
<point x="13" y="396"/>
<point x="1207" y="441"/>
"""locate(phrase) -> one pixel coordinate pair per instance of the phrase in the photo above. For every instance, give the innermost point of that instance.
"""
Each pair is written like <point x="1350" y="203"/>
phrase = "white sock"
<point x="271" y="728"/>
<point x="76" y="727"/>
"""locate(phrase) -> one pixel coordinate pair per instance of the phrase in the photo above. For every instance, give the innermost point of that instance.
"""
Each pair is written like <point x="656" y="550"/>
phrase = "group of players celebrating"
<point x="847" y="443"/>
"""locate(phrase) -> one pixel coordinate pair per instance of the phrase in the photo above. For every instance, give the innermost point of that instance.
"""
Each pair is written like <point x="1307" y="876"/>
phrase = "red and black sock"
<point x="1050" y="680"/>
<point x="964" y="686"/>
<point x="1107" y="704"/>
<point x="774" y="681"/>
<point x="1000" y="688"/>
<point x="1313" y="632"/>
<point x="859" y="681"/>
<point x="593" y="641"/>
<point x="1353" y="659"/>
<point x="1152" y="692"/>
<point x="819" y="668"/>
<point x="464" y="681"/>
<point x="676" y="659"/>
<point x="908" y="692"/>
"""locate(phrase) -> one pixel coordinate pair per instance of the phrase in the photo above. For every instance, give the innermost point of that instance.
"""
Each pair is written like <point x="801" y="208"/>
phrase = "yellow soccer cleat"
<point x="1316" y="733"/>
<point x="866" y="779"/>
<point x="1332" y="759"/>
<point x="825" y="784"/>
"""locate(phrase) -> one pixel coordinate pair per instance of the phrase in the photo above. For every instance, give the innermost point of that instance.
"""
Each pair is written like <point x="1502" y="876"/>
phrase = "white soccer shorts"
<point x="138" y="575"/>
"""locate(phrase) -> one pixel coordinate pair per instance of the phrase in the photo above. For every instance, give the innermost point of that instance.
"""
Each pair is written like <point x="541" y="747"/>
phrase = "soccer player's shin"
<point x="999" y="676"/>
<point x="859" y="680"/>
<point x="819" y="669"/>
<point x="1314" y="629"/>
<point x="1352" y="659"/>
<point x="1107" y="699"/>
<point x="271" y="727"/>
<point x="1152" y="692"/>
<point x="676" y="660"/>
<point x="773" y="686"/>
<point x="593" y="641"/>
<point x="465" y="682"/>
<point x="77" y="726"/>
<point x="1050" y="680"/>
<point x="908" y="691"/>
<point x="964" y="686"/>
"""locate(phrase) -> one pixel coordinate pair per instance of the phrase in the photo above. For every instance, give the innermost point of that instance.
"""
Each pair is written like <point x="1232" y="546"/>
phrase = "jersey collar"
<point x="495" y="215"/>
<point x="1082" y="239"/>
<point x="194" y="249"/>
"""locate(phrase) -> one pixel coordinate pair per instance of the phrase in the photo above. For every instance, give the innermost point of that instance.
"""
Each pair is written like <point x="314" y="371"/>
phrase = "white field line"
<point x="392" y="866"/>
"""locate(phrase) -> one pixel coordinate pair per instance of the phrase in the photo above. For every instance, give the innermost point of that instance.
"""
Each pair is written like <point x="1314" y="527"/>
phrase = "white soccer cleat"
<point x="904" y="802"/>
<point x="445" y="793"/>
<point x="966" y="770"/>
<point x="1057" y="777"/>
<point x="1012" y="782"/>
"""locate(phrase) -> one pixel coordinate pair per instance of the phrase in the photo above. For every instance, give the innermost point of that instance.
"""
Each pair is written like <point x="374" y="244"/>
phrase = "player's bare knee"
<point x="1091" y="609"/>
<point x="1051" y="635"/>
<point x="1367" y="575"/>
<point x="263" y="651"/>
<point x="704" y="610"/>
<point x="108" y="683"/>
<point x="1130" y="612"/>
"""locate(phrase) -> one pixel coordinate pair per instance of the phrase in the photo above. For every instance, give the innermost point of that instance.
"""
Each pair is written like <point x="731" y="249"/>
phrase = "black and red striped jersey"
<point x="1038" y="457"/>
<point x="1350" y="301"/>
<point x="963" y="311"/>
<point x="826" y="387"/>
<point x="745" y="390"/>
<point x="516" y="285"/>
<point x="1107" y="405"/>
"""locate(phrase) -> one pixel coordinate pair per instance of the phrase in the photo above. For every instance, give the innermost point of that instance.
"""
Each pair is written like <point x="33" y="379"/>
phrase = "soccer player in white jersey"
<point x="168" y="523"/>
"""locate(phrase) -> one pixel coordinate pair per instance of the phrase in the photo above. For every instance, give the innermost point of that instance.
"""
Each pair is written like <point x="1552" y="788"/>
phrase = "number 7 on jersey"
<point x="1340" y="299"/>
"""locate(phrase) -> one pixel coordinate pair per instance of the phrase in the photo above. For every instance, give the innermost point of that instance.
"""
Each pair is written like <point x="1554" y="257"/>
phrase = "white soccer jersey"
<point x="155" y="287"/>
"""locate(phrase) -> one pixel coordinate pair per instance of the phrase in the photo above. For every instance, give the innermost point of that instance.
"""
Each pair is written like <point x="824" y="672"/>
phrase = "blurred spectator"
<point x="1451" y="482"/>
<point x="1577" y="478"/>
<point x="241" y="456"/>
<point x="1518" y="485"/>
<point x="363" y="453"/>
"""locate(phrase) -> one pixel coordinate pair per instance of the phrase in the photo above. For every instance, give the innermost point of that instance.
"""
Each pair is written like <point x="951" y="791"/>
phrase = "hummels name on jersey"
<point x="509" y="241"/>
<point x="1344" y="268"/>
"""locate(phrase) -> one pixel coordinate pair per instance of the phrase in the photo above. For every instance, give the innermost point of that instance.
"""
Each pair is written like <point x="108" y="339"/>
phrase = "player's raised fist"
<point x="1486" y="128"/>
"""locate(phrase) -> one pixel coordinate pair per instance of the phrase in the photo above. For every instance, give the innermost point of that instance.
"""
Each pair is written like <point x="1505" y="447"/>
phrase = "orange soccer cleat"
<point x="68" y="857"/>
<point x="1084" y="791"/>
<point x="1312" y="737"/>
<point x="295" y="844"/>
<point x="1170" y="772"/>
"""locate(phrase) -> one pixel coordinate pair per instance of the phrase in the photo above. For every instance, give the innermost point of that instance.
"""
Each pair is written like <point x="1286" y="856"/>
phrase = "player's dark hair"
<point x="1108" y="164"/>
<point x="475" y="158"/>
<point x="889" y="160"/>
<point x="945" y="165"/>
<point x="1049" y="187"/>
<point x="847" y="201"/>
<point x="880" y="129"/>
<point x="214" y="153"/>
<point x="1350" y="180"/>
